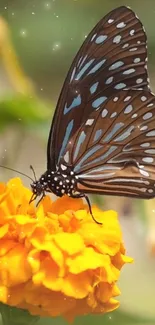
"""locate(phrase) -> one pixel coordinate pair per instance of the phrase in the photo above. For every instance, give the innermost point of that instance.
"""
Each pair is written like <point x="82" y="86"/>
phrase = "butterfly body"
<point x="59" y="182"/>
<point x="102" y="138"/>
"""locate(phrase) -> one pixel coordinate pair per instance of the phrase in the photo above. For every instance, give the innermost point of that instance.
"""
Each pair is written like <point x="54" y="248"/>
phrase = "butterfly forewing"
<point x="113" y="57"/>
<point x="113" y="152"/>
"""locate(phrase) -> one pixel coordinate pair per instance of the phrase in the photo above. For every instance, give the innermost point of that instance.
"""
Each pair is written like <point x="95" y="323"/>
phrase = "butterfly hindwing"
<point x="113" y="152"/>
<point x="112" y="57"/>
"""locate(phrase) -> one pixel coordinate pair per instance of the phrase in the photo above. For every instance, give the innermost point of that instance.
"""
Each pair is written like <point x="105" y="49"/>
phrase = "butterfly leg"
<point x="89" y="205"/>
<point x="43" y="195"/>
<point x="90" y="209"/>
<point x="33" y="198"/>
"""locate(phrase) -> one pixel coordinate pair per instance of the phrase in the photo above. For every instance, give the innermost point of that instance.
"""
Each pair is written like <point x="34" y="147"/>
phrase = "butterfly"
<point x="102" y="138"/>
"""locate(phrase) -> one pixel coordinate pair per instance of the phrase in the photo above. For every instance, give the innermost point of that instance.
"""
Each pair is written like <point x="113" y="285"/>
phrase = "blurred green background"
<point x="45" y="36"/>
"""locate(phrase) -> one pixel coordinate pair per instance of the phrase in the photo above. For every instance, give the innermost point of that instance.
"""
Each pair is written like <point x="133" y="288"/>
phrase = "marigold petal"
<point x="34" y="260"/>
<point x="104" y="292"/>
<point x="65" y="203"/>
<point x="69" y="243"/>
<point x="119" y="260"/>
<point x="87" y="260"/>
<point x="56" y="253"/>
<point x="48" y="275"/>
<point x="103" y="238"/>
<point x="68" y="222"/>
<point x="56" y="309"/>
<point x="3" y="188"/>
<point x="7" y="205"/>
<point x="82" y="308"/>
<point x="14" y="268"/>
<point x="3" y="294"/>
<point x="115" y="291"/>
<point x="16" y="295"/>
<point x="4" y="230"/>
<point x="27" y="220"/>
<point x="6" y="245"/>
<point x="108" y="273"/>
<point x="111" y="305"/>
<point x="77" y="286"/>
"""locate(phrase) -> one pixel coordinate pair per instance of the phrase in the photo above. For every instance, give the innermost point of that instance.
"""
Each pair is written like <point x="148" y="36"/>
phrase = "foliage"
<point x="22" y="111"/>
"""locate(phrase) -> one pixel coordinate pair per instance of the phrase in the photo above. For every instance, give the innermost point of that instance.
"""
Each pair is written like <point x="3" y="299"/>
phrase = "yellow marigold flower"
<point x="54" y="259"/>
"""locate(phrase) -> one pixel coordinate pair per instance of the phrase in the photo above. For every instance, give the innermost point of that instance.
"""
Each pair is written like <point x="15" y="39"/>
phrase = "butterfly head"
<point x="39" y="187"/>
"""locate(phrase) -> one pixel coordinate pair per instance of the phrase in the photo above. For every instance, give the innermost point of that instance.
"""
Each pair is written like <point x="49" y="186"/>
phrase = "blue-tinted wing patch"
<point x="116" y="155"/>
<point x="112" y="58"/>
<point x="76" y="102"/>
<point x="107" y="140"/>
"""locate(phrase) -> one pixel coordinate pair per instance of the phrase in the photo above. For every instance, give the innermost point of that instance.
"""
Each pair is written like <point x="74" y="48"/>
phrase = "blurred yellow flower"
<point x="54" y="259"/>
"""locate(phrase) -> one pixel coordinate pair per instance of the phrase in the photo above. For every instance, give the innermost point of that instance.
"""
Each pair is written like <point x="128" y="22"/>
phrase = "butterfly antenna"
<point x="90" y="209"/>
<point x="14" y="170"/>
<point x="33" y="171"/>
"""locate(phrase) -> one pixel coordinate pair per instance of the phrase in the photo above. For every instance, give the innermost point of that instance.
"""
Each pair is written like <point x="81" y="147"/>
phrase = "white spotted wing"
<point x="112" y="57"/>
<point x="113" y="152"/>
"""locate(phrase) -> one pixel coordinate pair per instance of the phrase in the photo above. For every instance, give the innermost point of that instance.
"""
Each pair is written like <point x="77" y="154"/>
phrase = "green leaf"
<point x="16" y="316"/>
<point x="114" y="318"/>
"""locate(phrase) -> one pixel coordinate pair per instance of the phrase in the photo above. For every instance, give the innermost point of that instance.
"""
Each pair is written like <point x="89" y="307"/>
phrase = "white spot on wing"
<point x="121" y="25"/>
<point x="66" y="156"/>
<point x="136" y="60"/>
<point x="73" y="74"/>
<point x="127" y="98"/>
<point x="133" y="49"/>
<point x="104" y="112"/>
<point x="100" y="39"/>
<point x="139" y="81"/>
<point x="125" y="45"/>
<point x="93" y="37"/>
<point x="63" y="167"/>
<point x="144" y="173"/>
<point x="145" y="145"/>
<point x="129" y="71"/>
<point x="147" y="159"/>
<point x="147" y="116"/>
<point x="132" y="32"/>
<point x="149" y="105"/>
<point x="89" y="121"/>
<point x="110" y="21"/>
<point x="144" y="128"/>
<point x="134" y="115"/>
<point x="117" y="39"/>
<point x="113" y="114"/>
<point x="128" y="109"/>
<point x="151" y="151"/>
<point x="143" y="98"/>
<point x="151" y="133"/>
